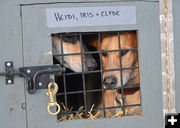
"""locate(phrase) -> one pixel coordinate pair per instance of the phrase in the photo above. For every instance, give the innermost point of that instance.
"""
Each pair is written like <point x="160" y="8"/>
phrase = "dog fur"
<point x="71" y="44"/>
<point x="111" y="60"/>
<point x="73" y="63"/>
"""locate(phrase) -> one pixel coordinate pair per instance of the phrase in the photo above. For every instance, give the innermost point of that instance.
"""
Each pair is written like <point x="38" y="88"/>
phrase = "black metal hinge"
<point x="37" y="77"/>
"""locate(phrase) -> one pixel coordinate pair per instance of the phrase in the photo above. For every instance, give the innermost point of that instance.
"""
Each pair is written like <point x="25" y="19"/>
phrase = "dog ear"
<point x="131" y="38"/>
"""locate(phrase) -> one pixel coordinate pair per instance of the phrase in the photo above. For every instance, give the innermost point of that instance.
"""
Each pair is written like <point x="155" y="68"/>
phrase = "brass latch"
<point x="52" y="90"/>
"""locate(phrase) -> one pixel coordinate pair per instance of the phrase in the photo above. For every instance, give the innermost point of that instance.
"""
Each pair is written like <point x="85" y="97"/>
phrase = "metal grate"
<point x="82" y="94"/>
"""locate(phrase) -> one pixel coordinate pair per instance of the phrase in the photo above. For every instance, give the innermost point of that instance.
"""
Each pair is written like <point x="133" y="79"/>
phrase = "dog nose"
<point x="91" y="64"/>
<point x="109" y="82"/>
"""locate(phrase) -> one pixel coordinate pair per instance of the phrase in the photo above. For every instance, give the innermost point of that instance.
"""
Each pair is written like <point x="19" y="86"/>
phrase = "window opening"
<point x="102" y="74"/>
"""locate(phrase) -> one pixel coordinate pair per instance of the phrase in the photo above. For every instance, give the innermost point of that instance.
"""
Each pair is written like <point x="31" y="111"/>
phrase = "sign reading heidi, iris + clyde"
<point x="90" y="16"/>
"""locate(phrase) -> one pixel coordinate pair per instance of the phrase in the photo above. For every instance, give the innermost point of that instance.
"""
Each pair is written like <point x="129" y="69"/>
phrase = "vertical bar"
<point x="101" y="69"/>
<point x="122" y="89"/>
<point x="137" y="50"/>
<point x="83" y="77"/>
<point x="64" y="77"/>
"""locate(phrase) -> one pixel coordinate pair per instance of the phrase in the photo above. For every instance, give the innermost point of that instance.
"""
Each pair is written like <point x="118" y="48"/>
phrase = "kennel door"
<point x="12" y="100"/>
<point x="37" y="51"/>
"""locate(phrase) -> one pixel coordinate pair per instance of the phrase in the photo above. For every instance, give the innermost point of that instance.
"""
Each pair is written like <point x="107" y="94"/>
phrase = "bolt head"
<point x="8" y="64"/>
<point x="9" y="81"/>
<point x="28" y="71"/>
<point x="40" y="84"/>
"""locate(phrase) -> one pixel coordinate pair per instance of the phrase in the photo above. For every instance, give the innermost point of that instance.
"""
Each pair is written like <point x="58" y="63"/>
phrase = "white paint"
<point x="90" y="16"/>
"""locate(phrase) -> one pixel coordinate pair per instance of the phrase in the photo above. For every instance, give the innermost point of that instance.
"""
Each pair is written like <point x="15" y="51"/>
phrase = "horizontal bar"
<point x="98" y="71"/>
<point x="3" y="73"/>
<point x="95" y="52"/>
<point x="98" y="90"/>
<point x="100" y="109"/>
<point x="90" y="33"/>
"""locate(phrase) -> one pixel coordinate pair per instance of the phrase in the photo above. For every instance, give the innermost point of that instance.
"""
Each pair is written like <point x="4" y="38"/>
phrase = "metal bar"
<point x="83" y="77"/>
<point x="3" y="74"/>
<point x="15" y="73"/>
<point x="86" y="33"/>
<point x="95" y="52"/>
<point x="98" y="90"/>
<point x="105" y="70"/>
<point x="121" y="77"/>
<point x="106" y="108"/>
<point x="64" y="77"/>
<point x="101" y="69"/>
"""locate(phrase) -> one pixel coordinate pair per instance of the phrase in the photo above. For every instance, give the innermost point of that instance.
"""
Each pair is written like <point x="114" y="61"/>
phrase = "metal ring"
<point x="118" y="100"/>
<point x="55" y="104"/>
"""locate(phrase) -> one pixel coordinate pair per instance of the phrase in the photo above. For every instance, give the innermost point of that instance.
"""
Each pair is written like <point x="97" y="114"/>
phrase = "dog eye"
<point x="104" y="54"/>
<point x="124" y="52"/>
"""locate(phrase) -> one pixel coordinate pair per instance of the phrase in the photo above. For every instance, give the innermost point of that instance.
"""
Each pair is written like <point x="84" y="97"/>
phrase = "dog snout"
<point x="91" y="64"/>
<point x="109" y="82"/>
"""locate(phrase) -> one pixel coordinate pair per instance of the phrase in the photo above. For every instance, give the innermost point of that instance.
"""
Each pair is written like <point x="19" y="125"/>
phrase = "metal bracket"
<point x="9" y="72"/>
<point x="37" y="77"/>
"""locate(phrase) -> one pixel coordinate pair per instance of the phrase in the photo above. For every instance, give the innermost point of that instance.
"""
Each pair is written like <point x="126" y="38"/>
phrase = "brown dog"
<point x="113" y="79"/>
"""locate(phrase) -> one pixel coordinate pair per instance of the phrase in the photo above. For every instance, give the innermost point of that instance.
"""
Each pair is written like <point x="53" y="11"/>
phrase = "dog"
<point x="113" y="79"/>
<point x="69" y="44"/>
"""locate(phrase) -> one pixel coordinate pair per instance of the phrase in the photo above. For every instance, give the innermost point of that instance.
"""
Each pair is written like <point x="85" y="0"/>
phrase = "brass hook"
<point x="51" y="94"/>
